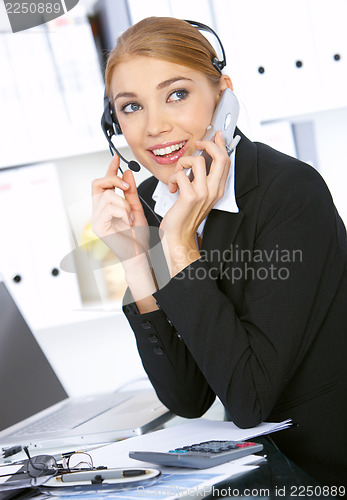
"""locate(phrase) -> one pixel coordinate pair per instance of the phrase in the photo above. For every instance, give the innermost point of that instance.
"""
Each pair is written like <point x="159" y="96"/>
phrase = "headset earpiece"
<point x="114" y="119"/>
<point x="109" y="122"/>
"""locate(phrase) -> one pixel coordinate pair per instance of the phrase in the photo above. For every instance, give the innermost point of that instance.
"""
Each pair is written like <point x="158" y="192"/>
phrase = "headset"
<point x="109" y="122"/>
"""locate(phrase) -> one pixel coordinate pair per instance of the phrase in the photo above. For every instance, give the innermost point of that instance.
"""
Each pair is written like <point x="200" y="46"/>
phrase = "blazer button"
<point x="158" y="351"/>
<point x="146" y="325"/>
<point x="169" y="321"/>
<point x="153" y="339"/>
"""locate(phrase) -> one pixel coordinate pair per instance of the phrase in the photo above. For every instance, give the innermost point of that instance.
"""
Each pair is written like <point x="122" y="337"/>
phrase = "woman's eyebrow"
<point x="160" y="86"/>
<point x="167" y="83"/>
<point x="130" y="95"/>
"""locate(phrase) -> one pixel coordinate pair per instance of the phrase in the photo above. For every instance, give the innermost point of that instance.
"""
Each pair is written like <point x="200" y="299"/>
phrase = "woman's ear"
<point x="225" y="82"/>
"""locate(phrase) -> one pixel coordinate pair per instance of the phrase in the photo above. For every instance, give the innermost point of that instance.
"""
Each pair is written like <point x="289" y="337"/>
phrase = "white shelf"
<point x="51" y="92"/>
<point x="52" y="151"/>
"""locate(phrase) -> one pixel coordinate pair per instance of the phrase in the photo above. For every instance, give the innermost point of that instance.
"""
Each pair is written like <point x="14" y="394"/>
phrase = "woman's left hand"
<point x="196" y="199"/>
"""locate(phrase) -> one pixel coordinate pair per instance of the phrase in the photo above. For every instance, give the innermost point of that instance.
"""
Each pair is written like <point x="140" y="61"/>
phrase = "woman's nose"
<point x="157" y="122"/>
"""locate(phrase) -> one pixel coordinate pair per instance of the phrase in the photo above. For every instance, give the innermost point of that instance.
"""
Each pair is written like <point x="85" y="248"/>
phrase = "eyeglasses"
<point x="43" y="467"/>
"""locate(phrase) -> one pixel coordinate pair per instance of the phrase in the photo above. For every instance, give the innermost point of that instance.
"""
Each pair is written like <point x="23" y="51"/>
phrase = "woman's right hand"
<point x="119" y="222"/>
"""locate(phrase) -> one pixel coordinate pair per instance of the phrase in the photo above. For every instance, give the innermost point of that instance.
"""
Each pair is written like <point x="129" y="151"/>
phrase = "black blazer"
<point x="260" y="320"/>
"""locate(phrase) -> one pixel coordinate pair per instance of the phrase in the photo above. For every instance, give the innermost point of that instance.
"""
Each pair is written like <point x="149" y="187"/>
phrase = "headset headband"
<point x="219" y="65"/>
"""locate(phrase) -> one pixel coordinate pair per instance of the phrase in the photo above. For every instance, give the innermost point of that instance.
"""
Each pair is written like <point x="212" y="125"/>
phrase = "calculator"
<point x="200" y="455"/>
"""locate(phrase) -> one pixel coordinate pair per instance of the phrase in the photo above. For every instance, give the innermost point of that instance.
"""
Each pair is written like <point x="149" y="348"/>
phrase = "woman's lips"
<point x="171" y="157"/>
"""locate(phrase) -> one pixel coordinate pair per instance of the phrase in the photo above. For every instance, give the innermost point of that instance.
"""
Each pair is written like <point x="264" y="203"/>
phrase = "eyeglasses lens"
<point x="41" y="466"/>
<point x="80" y="460"/>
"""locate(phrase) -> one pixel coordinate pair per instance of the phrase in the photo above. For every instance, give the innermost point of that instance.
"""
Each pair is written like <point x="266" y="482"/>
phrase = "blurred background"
<point x="288" y="63"/>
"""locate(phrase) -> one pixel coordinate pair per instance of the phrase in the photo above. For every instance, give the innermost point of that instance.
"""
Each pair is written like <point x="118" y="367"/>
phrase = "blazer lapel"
<point x="219" y="233"/>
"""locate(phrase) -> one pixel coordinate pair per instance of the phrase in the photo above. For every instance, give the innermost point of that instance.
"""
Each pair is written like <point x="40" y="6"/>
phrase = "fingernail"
<point x="125" y="184"/>
<point x="131" y="218"/>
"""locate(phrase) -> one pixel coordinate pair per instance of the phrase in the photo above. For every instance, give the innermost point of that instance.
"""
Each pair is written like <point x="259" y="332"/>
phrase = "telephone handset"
<point x="224" y="118"/>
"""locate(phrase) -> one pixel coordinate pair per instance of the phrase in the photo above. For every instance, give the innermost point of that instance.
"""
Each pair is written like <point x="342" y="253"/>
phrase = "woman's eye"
<point x="131" y="107"/>
<point x="178" y="95"/>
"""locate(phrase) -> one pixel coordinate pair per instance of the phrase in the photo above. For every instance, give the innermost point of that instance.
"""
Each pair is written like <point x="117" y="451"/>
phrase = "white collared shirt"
<point x="164" y="200"/>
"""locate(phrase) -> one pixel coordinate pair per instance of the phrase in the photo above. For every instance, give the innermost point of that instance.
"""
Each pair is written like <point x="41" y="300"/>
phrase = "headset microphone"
<point x="132" y="164"/>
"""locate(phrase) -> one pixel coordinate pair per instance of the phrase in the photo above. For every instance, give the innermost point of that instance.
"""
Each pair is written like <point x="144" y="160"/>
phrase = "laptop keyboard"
<point x="72" y="414"/>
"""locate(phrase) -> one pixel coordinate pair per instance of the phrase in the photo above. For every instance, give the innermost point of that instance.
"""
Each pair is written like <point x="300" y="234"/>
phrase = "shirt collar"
<point x="164" y="200"/>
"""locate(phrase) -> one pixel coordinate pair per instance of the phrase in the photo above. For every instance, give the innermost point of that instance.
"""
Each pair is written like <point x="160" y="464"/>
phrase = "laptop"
<point x="36" y="411"/>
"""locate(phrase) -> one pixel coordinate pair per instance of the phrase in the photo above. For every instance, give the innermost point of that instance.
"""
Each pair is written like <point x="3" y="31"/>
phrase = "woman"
<point x="253" y="309"/>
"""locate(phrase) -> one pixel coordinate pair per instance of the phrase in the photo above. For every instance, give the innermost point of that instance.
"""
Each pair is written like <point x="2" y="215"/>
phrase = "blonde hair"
<point x="165" y="38"/>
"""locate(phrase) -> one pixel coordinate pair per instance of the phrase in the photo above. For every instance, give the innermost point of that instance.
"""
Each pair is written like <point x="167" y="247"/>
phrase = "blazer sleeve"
<point x="247" y="354"/>
<point x="163" y="354"/>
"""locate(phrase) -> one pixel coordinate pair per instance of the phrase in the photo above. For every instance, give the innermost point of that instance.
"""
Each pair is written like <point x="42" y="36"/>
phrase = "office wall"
<point x="274" y="35"/>
<point x="288" y="62"/>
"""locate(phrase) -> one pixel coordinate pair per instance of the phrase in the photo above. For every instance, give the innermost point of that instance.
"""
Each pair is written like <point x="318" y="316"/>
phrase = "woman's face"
<point x="162" y="108"/>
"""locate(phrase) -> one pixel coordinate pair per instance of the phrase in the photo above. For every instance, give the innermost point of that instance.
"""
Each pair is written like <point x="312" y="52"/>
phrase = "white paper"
<point x="8" y="469"/>
<point x="116" y="454"/>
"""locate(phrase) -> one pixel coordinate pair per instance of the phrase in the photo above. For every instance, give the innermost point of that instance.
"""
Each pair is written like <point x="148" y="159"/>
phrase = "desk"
<point x="277" y="478"/>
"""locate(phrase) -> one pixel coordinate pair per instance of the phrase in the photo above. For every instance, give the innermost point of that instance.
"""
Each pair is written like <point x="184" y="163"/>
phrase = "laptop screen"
<point x="27" y="382"/>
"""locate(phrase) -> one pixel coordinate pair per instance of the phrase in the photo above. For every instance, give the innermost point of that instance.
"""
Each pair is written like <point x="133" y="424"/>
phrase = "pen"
<point x="9" y="452"/>
<point x="99" y="476"/>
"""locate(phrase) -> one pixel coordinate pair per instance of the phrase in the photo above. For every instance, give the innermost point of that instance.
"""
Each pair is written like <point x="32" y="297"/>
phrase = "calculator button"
<point x="244" y="445"/>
